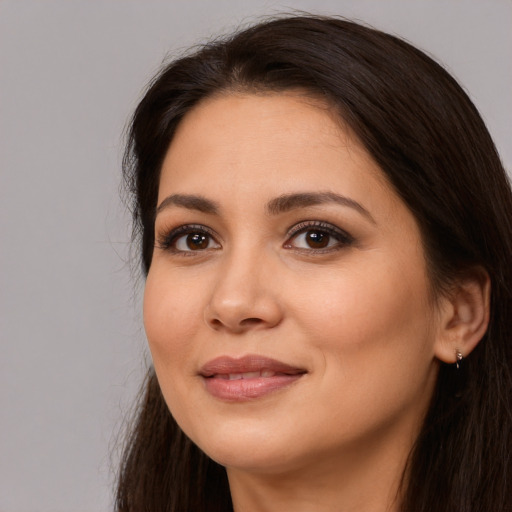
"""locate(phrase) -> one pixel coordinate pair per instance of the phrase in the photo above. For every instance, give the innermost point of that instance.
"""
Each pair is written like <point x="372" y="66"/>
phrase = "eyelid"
<point x="165" y="239"/>
<point x="339" y="234"/>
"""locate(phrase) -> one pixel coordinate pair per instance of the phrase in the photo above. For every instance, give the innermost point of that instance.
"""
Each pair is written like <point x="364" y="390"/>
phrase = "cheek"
<point x="170" y="320"/>
<point x="381" y="311"/>
<point x="376" y="349"/>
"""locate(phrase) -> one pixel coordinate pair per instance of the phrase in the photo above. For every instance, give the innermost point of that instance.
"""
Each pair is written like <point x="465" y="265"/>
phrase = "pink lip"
<point x="224" y="379"/>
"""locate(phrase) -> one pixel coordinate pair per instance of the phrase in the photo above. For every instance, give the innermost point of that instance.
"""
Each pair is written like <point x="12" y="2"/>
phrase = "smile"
<point x="246" y="375"/>
<point x="247" y="378"/>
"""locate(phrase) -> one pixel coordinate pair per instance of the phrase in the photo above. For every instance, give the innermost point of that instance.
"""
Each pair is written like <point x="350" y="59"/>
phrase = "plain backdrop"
<point x="72" y="347"/>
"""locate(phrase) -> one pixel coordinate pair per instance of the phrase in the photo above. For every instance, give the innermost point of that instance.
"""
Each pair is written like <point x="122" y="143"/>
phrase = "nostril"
<point x="244" y="324"/>
<point x="241" y="315"/>
<point x="251" y="321"/>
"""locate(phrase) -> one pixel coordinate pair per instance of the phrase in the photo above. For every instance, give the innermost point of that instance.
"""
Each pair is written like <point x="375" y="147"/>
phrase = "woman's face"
<point x="287" y="306"/>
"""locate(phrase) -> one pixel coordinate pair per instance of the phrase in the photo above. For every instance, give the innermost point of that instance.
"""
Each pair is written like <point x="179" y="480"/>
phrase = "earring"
<point x="458" y="358"/>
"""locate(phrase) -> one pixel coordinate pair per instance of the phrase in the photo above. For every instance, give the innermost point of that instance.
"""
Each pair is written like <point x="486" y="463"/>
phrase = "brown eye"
<point x="314" y="239"/>
<point x="197" y="241"/>
<point x="191" y="240"/>
<point x="317" y="239"/>
<point x="314" y="236"/>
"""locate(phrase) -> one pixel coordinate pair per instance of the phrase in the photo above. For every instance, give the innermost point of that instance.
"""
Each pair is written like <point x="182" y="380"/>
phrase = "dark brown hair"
<point x="429" y="140"/>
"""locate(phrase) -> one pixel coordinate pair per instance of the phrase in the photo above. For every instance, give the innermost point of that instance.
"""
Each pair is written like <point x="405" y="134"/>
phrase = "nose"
<point x="244" y="296"/>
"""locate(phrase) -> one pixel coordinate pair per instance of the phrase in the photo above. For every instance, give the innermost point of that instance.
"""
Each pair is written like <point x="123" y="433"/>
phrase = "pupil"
<point x="197" y="241"/>
<point x="317" y="239"/>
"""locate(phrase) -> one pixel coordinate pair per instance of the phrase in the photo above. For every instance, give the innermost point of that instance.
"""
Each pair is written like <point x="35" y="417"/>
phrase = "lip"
<point x="247" y="378"/>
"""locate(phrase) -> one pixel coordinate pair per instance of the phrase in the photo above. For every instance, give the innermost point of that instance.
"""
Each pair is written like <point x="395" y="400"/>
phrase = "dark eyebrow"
<point x="281" y="204"/>
<point x="289" y="202"/>
<point x="191" y="202"/>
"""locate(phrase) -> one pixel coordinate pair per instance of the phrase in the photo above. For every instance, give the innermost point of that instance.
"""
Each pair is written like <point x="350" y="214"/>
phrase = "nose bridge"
<point x="244" y="296"/>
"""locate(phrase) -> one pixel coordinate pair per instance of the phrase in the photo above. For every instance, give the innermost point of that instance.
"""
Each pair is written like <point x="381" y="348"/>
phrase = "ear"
<point x="464" y="315"/>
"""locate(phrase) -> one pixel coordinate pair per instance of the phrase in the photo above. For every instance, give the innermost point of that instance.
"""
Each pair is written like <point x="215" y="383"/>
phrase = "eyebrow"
<point x="281" y="204"/>
<point x="287" y="202"/>
<point x="190" y="202"/>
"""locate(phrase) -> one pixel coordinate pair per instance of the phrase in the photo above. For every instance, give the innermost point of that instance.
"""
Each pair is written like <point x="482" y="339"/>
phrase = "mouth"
<point x="246" y="375"/>
<point x="247" y="378"/>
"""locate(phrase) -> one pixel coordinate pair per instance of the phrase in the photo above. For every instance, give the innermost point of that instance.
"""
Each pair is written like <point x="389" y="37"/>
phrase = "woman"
<point x="325" y="230"/>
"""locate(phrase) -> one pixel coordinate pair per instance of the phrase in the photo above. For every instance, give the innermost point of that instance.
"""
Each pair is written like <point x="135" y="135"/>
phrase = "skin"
<point x="358" y="316"/>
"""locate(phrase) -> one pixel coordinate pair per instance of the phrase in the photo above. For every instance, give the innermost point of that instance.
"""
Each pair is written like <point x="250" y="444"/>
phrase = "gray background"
<point x="72" y="348"/>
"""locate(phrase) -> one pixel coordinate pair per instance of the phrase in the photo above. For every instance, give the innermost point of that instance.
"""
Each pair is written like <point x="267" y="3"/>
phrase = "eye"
<point x="194" y="242"/>
<point x="187" y="239"/>
<point x="313" y="239"/>
<point x="317" y="236"/>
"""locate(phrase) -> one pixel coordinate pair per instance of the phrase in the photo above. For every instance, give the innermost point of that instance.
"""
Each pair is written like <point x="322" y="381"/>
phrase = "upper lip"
<point x="250" y="363"/>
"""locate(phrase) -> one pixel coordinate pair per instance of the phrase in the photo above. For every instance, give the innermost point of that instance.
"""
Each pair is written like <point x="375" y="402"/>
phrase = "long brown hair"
<point x="428" y="138"/>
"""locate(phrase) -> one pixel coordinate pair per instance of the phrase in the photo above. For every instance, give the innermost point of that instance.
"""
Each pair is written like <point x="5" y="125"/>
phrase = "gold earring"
<point x="458" y="358"/>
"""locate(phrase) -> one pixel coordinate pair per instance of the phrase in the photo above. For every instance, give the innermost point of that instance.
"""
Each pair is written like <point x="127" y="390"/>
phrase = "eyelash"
<point x="343" y="239"/>
<point x="168" y="240"/>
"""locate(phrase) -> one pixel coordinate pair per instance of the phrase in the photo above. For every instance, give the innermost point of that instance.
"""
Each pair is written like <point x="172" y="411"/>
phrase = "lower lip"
<point x="241" y="390"/>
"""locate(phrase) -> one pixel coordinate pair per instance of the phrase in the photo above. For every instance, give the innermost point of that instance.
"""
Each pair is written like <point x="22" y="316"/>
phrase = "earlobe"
<point x="464" y="316"/>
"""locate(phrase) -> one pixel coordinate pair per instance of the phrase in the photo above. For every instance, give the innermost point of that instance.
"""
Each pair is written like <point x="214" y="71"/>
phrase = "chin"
<point x="253" y="460"/>
<point x="249" y="448"/>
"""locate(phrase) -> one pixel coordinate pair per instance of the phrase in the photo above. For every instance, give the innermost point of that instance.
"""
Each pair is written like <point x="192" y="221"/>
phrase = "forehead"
<point x="254" y="140"/>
